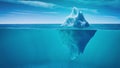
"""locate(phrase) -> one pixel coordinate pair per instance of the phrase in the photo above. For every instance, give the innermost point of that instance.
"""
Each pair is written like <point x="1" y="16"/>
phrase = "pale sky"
<point x="52" y="12"/>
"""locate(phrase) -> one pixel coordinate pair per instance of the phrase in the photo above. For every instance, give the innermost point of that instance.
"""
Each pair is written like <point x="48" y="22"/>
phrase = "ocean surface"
<point x="54" y="46"/>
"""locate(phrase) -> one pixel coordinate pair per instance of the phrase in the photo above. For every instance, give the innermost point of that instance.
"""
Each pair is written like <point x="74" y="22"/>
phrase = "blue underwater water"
<point x="53" y="46"/>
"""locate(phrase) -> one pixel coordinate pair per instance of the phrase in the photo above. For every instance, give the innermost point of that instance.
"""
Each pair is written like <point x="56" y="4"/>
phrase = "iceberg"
<point x="76" y="40"/>
<point x="75" y="19"/>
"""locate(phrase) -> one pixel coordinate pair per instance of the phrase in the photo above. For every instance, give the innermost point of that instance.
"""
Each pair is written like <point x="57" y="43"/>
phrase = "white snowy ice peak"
<point x="75" y="19"/>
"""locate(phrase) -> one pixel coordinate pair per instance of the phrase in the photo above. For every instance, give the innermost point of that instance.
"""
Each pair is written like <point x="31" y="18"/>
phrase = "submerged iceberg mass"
<point x="75" y="19"/>
<point x="76" y="40"/>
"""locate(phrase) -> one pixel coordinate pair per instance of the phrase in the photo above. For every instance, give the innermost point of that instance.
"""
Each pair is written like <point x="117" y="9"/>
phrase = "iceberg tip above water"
<point x="75" y="19"/>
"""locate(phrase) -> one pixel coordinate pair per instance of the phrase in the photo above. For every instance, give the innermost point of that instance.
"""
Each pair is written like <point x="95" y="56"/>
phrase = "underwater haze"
<point x="27" y="47"/>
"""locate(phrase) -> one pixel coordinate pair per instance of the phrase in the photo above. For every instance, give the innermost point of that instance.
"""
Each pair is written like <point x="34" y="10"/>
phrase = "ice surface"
<point x="75" y="19"/>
